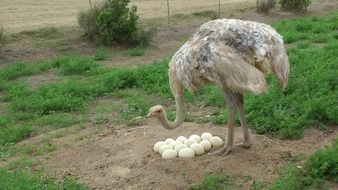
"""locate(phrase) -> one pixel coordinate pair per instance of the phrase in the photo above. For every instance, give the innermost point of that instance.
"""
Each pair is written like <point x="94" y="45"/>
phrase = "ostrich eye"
<point x="158" y="111"/>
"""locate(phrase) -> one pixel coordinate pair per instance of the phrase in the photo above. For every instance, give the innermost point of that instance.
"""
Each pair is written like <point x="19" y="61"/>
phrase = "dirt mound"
<point x="124" y="159"/>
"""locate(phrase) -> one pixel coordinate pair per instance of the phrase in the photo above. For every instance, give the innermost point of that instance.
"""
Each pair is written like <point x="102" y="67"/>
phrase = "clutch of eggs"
<point x="190" y="147"/>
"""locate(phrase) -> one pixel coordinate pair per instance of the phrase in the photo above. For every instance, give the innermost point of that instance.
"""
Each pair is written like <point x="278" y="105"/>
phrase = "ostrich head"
<point x="156" y="111"/>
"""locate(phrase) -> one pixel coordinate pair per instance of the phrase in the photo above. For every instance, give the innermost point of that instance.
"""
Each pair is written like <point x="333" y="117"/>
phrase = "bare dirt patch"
<point x="125" y="160"/>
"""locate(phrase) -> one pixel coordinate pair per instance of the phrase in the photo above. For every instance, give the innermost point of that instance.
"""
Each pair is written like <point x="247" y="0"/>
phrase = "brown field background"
<point x="18" y="15"/>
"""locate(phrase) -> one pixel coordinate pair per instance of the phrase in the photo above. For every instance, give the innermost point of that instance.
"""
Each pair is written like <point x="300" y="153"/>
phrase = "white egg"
<point x="168" y="154"/>
<point x="195" y="137"/>
<point x="174" y="144"/>
<point x="164" y="148"/>
<point x="186" y="153"/>
<point x="197" y="148"/>
<point x="158" y="145"/>
<point x="169" y="140"/>
<point x="216" y="141"/>
<point x="181" y="139"/>
<point x="190" y="142"/>
<point x="206" y="145"/>
<point x="206" y="136"/>
<point x="180" y="147"/>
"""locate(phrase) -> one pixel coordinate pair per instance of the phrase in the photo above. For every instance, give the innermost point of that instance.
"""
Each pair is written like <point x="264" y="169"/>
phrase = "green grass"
<point x="138" y="51"/>
<point x="102" y="54"/>
<point x="312" y="175"/>
<point x="319" y="167"/>
<point x="18" y="176"/>
<point x="213" y="182"/>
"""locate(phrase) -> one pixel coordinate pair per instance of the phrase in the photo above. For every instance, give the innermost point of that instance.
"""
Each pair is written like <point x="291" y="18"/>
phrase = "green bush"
<point x="117" y="22"/>
<point x="264" y="6"/>
<point x="295" y="5"/>
<point x="112" y="23"/>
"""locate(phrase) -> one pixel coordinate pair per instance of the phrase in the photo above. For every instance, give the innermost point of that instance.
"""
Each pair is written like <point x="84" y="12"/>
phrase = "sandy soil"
<point x="123" y="159"/>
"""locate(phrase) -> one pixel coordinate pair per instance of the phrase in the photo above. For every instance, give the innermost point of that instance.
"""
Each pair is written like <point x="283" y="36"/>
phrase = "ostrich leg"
<point x="247" y="142"/>
<point x="231" y="100"/>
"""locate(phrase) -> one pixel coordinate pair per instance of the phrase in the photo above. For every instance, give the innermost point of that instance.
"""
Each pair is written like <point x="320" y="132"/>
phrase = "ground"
<point x="124" y="159"/>
<point x="112" y="156"/>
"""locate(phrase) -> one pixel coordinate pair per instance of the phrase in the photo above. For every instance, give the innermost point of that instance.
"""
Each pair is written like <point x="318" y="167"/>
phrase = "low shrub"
<point x="113" y="22"/>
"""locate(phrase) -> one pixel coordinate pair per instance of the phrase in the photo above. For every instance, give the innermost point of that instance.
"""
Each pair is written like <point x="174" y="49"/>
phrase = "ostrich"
<point x="234" y="55"/>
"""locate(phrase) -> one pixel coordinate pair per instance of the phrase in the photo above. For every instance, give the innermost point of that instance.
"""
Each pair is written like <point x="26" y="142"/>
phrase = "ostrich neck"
<point x="180" y="114"/>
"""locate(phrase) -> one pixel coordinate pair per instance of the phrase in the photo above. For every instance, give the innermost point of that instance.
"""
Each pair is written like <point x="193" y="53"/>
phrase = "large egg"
<point x="169" y="140"/>
<point x="158" y="145"/>
<point x="180" y="147"/>
<point x="197" y="148"/>
<point x="168" y="154"/>
<point x="181" y="139"/>
<point x="174" y="144"/>
<point x="206" y="136"/>
<point x="164" y="148"/>
<point x="195" y="137"/>
<point x="186" y="153"/>
<point x="216" y="141"/>
<point x="190" y="142"/>
<point x="206" y="145"/>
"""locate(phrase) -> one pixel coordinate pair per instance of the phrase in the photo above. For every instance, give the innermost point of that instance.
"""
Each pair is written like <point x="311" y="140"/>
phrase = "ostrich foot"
<point x="245" y="145"/>
<point x="223" y="152"/>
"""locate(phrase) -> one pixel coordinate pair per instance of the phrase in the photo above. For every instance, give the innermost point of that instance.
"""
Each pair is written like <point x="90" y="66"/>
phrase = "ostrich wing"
<point x="221" y="64"/>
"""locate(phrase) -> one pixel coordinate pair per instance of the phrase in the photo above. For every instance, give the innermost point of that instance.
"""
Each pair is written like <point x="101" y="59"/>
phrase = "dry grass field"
<point x="17" y="16"/>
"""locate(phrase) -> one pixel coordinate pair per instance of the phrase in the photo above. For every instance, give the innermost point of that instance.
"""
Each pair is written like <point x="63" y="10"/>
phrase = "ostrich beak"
<point x="148" y="115"/>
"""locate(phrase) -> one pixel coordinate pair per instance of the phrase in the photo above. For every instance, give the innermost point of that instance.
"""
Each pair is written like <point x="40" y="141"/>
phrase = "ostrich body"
<point x="234" y="55"/>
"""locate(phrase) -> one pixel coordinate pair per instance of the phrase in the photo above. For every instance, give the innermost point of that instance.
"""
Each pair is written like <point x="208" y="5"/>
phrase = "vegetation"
<point x="318" y="168"/>
<point x="112" y="23"/>
<point x="16" y="177"/>
<point x="264" y="6"/>
<point x="309" y="99"/>
<point x="295" y="5"/>
<point x="213" y="182"/>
